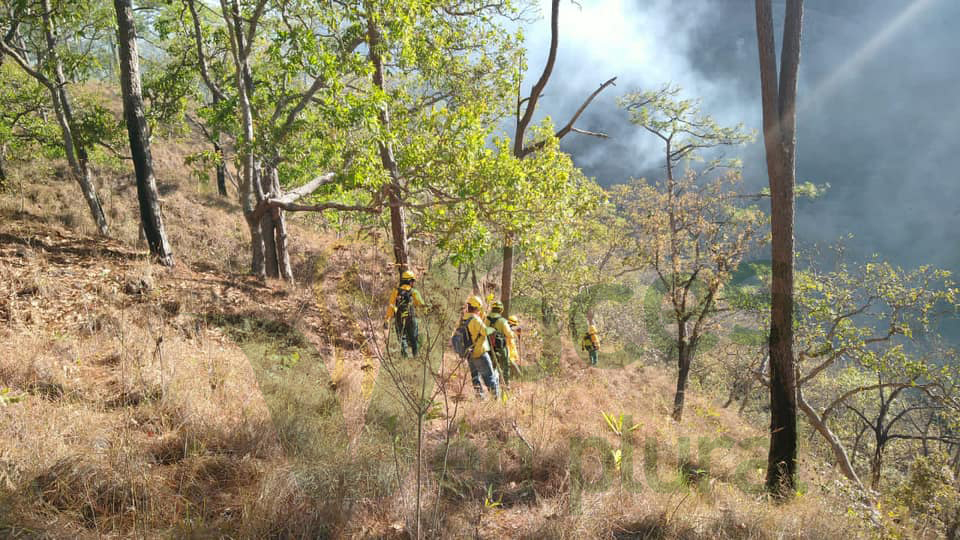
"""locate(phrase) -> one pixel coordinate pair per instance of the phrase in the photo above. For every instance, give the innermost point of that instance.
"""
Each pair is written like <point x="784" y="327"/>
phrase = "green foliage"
<point x="8" y="398"/>
<point x="615" y="423"/>
<point x="928" y="498"/>
<point x="682" y="126"/>
<point x="23" y="108"/>
<point x="868" y="312"/>
<point x="694" y="236"/>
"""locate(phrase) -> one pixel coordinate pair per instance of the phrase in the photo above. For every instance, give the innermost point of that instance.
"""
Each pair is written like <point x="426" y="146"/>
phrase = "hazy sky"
<point x="879" y="117"/>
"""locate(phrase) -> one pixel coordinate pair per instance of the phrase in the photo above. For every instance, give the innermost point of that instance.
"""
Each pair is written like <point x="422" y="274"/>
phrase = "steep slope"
<point x="140" y="401"/>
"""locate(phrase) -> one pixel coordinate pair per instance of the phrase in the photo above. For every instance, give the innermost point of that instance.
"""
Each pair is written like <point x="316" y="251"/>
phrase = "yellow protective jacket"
<point x="478" y="334"/>
<point x="590" y="341"/>
<point x="392" y="304"/>
<point x="501" y="325"/>
<point x="513" y="347"/>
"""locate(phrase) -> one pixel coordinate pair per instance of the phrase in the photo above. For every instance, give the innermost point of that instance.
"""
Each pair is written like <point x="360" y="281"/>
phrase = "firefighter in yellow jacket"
<point x="591" y="344"/>
<point x="513" y="345"/>
<point x="481" y="368"/>
<point x="500" y="339"/>
<point x="402" y="309"/>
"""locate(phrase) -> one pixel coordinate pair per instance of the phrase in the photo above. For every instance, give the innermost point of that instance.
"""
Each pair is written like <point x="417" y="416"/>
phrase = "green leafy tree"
<point x="693" y="236"/>
<point x="693" y="230"/>
<point x="51" y="40"/>
<point x="866" y="317"/>
<point x="23" y="105"/>
<point x="523" y="147"/>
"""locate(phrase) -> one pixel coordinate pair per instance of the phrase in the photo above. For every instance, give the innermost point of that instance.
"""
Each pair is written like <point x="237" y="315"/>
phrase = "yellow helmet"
<point x="407" y="275"/>
<point x="496" y="306"/>
<point x="475" y="302"/>
<point x="513" y="320"/>
<point x="592" y="329"/>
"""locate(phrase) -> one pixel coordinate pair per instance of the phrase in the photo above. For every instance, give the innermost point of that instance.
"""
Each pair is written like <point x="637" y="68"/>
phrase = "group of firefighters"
<point x="494" y="335"/>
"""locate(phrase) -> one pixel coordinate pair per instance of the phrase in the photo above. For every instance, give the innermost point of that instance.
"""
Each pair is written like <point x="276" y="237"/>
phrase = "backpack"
<point x="587" y="343"/>
<point x="404" y="304"/>
<point x="498" y="341"/>
<point x="462" y="344"/>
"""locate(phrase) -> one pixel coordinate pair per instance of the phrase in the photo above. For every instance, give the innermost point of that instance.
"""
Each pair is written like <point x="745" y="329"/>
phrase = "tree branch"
<point x="201" y="57"/>
<point x="541" y="83"/>
<point x="562" y="132"/>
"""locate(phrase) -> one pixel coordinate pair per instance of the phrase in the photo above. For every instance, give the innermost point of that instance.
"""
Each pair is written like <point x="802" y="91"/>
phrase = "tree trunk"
<point x="839" y="452"/>
<point x="684" y="356"/>
<point x="250" y="192"/>
<point x="3" y="171"/>
<point x="779" y="130"/>
<point x="221" y="169"/>
<point x="267" y="225"/>
<point x="398" y="224"/>
<point x="76" y="156"/>
<point x="279" y="221"/>
<point x="506" y="277"/>
<point x="283" y="253"/>
<point x="150" y="215"/>
<point x="268" y="233"/>
<point x="876" y="466"/>
<point x="682" y="375"/>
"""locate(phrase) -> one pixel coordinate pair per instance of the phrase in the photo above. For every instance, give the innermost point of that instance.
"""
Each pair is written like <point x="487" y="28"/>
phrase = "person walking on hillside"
<point x="500" y="339"/>
<point x="402" y="309"/>
<point x="481" y="368"/>
<point x="513" y="345"/>
<point x="591" y="344"/>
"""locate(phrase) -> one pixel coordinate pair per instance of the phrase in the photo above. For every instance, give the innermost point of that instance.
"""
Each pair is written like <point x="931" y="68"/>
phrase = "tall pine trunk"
<point x="779" y="133"/>
<point x="150" y="216"/>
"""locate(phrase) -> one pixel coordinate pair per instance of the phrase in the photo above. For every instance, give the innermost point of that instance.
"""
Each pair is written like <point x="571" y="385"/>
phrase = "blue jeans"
<point x="482" y="368"/>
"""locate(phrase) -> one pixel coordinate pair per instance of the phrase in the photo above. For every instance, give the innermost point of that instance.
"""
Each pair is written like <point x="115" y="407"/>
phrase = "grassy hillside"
<point x="144" y="402"/>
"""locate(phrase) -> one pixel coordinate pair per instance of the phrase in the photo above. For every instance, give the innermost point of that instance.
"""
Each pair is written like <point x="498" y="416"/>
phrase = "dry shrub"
<point x="103" y="498"/>
<point x="212" y="483"/>
<point x="287" y="506"/>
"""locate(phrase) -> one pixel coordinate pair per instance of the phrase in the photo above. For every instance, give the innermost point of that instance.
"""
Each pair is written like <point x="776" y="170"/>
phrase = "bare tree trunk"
<point x="283" y="253"/>
<point x="76" y="155"/>
<point x="398" y="224"/>
<point x="267" y="225"/>
<point x="876" y="465"/>
<point x="250" y="192"/>
<point x="3" y="171"/>
<point x="221" y="171"/>
<point x="839" y="452"/>
<point x="281" y="250"/>
<point x="779" y="130"/>
<point x="150" y="214"/>
<point x="267" y="231"/>
<point x="506" y="276"/>
<point x="684" y="355"/>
